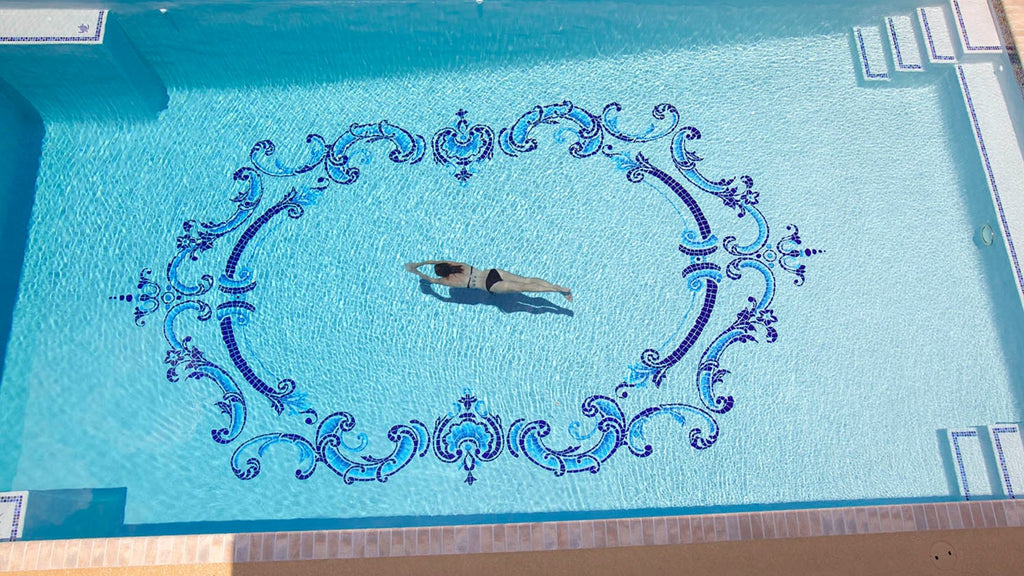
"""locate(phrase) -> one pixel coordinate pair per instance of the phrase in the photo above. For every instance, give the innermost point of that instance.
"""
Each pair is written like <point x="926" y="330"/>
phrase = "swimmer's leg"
<point x="528" y="284"/>
<point x="538" y="285"/>
<point x="515" y="283"/>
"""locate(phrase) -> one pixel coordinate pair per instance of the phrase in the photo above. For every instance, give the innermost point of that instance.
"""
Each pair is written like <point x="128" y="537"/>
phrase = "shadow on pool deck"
<point x="507" y="303"/>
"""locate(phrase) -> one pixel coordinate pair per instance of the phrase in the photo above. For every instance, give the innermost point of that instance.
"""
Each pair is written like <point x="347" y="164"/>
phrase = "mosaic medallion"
<point x="468" y="435"/>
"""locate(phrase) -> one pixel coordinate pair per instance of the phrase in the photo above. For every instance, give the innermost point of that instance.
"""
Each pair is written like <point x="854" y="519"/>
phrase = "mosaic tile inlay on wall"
<point x="469" y="435"/>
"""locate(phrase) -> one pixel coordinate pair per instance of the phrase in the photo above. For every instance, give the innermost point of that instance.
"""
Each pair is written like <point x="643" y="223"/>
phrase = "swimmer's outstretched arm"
<point x="414" y="267"/>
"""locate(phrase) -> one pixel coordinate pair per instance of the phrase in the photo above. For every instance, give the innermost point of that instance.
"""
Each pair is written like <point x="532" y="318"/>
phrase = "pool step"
<point x="56" y="26"/>
<point x="975" y="26"/>
<point x="1009" y="451"/>
<point x="973" y="451"/>
<point x="966" y="445"/>
<point x="1000" y="154"/>
<point x="937" y="38"/>
<point x="871" y="53"/>
<point x="12" y="514"/>
<point x="906" y="54"/>
<point x="898" y="37"/>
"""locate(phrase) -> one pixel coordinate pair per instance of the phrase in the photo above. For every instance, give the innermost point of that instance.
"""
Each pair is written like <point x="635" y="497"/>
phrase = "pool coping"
<point x="1010" y="22"/>
<point x="27" y="555"/>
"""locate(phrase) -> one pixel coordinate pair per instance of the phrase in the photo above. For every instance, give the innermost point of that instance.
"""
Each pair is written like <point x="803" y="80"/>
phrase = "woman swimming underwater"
<point x="493" y="280"/>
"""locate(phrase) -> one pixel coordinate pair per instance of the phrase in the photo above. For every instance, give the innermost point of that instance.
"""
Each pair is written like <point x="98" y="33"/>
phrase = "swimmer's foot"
<point x="567" y="293"/>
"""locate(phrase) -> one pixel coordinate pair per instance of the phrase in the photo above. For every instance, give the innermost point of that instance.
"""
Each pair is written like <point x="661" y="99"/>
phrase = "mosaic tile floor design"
<point x="469" y="435"/>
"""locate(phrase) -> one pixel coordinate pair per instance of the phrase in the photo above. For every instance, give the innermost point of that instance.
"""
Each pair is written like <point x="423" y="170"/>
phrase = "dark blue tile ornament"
<point x="461" y="146"/>
<point x="469" y="435"/>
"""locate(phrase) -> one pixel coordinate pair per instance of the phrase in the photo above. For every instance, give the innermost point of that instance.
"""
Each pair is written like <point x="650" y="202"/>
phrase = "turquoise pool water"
<point x="901" y="324"/>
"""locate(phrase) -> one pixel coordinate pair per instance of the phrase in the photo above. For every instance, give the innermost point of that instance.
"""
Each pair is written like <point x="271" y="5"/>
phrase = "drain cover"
<point x="944" y="556"/>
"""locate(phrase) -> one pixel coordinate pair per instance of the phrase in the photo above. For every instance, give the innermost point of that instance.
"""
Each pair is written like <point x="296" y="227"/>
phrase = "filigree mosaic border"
<point x="469" y="435"/>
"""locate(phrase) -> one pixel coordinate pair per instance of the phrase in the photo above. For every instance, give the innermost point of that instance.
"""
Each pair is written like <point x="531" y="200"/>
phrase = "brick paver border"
<point x="473" y="539"/>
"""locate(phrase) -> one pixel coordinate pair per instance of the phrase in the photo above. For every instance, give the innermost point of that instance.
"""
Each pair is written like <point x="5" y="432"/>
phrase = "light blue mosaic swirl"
<point x="192" y="289"/>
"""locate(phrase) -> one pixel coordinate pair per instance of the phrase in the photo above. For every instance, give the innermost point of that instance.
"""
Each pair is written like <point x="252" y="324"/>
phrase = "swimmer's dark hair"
<point x="444" y="270"/>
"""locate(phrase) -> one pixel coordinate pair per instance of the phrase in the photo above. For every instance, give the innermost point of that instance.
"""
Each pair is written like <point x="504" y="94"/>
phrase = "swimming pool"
<point x="781" y="293"/>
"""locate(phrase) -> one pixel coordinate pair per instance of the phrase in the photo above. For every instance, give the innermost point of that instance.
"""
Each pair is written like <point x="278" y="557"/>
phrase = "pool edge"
<point x="137" y="552"/>
<point x="1010" y="22"/>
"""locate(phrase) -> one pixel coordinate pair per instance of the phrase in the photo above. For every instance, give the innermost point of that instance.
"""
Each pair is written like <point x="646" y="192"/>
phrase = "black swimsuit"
<point x="493" y="277"/>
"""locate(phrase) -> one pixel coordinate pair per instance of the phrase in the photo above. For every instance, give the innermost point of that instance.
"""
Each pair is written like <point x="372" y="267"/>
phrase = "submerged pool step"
<point x="871" y="53"/>
<point x="937" y="39"/>
<point x="55" y="26"/>
<point x="906" y="54"/>
<point x="1009" y="450"/>
<point x="898" y="35"/>
<point x="968" y="453"/>
<point x="975" y="26"/>
<point x="1000" y="154"/>
<point x="12" y="514"/>
<point x="981" y="455"/>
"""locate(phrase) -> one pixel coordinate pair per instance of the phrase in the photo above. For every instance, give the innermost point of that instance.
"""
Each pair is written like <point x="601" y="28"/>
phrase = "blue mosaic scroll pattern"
<point x="470" y="435"/>
<point x="462" y="145"/>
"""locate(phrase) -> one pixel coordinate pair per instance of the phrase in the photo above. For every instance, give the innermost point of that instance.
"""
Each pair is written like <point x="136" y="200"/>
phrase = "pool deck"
<point x="1010" y="16"/>
<point x="906" y="554"/>
<point x="768" y="529"/>
<point x="1013" y="11"/>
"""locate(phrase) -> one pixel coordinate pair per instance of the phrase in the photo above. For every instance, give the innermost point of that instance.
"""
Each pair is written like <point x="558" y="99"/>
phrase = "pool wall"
<point x="91" y="82"/>
<point x="20" y="148"/>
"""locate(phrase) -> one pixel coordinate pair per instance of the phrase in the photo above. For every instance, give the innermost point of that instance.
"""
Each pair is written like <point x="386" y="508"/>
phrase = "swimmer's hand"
<point x="414" y="267"/>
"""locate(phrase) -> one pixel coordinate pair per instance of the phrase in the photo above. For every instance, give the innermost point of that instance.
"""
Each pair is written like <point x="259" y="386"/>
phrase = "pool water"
<point x="841" y="377"/>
